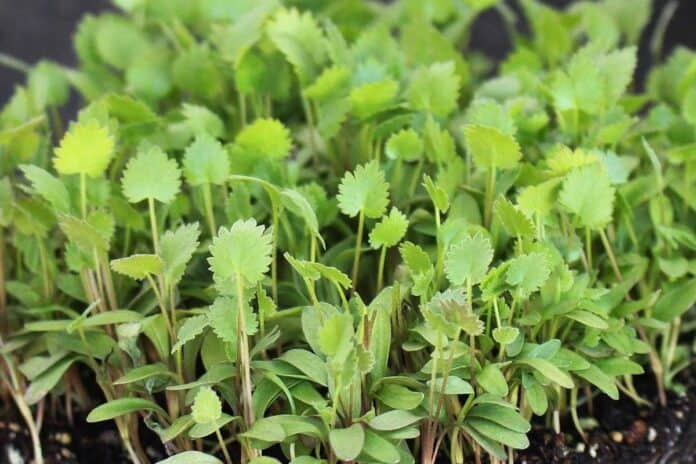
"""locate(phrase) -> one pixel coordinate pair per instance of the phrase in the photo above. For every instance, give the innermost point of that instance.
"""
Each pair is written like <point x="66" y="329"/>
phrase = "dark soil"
<point x="626" y="432"/>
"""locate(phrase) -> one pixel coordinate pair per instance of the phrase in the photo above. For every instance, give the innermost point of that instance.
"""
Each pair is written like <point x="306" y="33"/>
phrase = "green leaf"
<point x="599" y="379"/>
<point x="47" y="186"/>
<point x="308" y="363"/>
<point x="468" y="260"/>
<point x="548" y="370"/>
<point x="527" y="273"/>
<point x="138" y="267"/>
<point x="587" y="194"/>
<point x="295" y="202"/>
<point x="241" y="252"/>
<point x="540" y="198"/>
<point x="122" y="406"/>
<point x="85" y="149"/>
<point x="390" y="230"/>
<point x="453" y="386"/>
<point x="265" y="138"/>
<point x="501" y="415"/>
<point x="208" y="428"/>
<point x="415" y="258"/>
<point x="83" y="234"/>
<point x="587" y="318"/>
<point x="379" y="449"/>
<point x="191" y="457"/>
<point x="206" y="162"/>
<point x="347" y="443"/>
<point x="46" y="381"/>
<point x="374" y="97"/>
<point x="399" y="397"/>
<point x="405" y="145"/>
<point x="490" y="148"/>
<point x="505" y="335"/>
<point x="176" y="250"/>
<point x="364" y="190"/>
<point x="206" y="406"/>
<point x="393" y="420"/>
<point x="516" y="222"/>
<point x="499" y="433"/>
<point x="492" y="380"/>
<point x="145" y="372"/>
<point x="676" y="301"/>
<point x="140" y="182"/>
<point x="190" y="329"/>
<point x="179" y="426"/>
<point x="336" y="335"/>
<point x="299" y="37"/>
<point x="437" y="194"/>
<point x="435" y="89"/>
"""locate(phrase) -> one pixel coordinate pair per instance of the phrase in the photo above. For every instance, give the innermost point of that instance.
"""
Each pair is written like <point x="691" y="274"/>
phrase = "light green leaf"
<point x="191" y="457"/>
<point x="47" y="186"/>
<point x="379" y="449"/>
<point x="527" y="273"/>
<point x="587" y="193"/>
<point x="336" y="335"/>
<point x="265" y="138"/>
<point x="505" y="335"/>
<point x="549" y="370"/>
<point x="176" y="249"/>
<point x="490" y="148"/>
<point x="85" y="149"/>
<point x="390" y="230"/>
<point x="415" y="258"/>
<point x="435" y="89"/>
<point x="499" y="433"/>
<point x="241" y="252"/>
<point x="151" y="174"/>
<point x="398" y="396"/>
<point x="492" y="380"/>
<point x="206" y="406"/>
<point x="405" y="145"/>
<point x="138" y="267"/>
<point x="516" y="223"/>
<point x="190" y="329"/>
<point x="468" y="260"/>
<point x="676" y="301"/>
<point x="206" y="162"/>
<point x="369" y="99"/>
<point x="364" y="190"/>
<point x="393" y="420"/>
<point x="453" y="386"/>
<point x="145" y="372"/>
<point x="437" y="194"/>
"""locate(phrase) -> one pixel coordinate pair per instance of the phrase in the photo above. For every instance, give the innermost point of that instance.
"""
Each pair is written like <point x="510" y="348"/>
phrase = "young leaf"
<point x="176" y="249"/>
<point x="516" y="223"/>
<point x="405" y="145"/>
<point x="364" y="190"/>
<point x="206" y="407"/>
<point x="468" y="260"/>
<point x="189" y="457"/>
<point x="389" y="231"/>
<point x="492" y="380"/>
<point x="587" y="193"/>
<point x="490" y="148"/>
<point x="241" y="252"/>
<point x="190" y="329"/>
<point x="373" y="97"/>
<point x="138" y="267"/>
<point x="527" y="273"/>
<point x="85" y="149"/>
<point x="206" y="162"/>
<point x="151" y="174"/>
<point x="49" y="187"/>
<point x="265" y="138"/>
<point x="435" y="89"/>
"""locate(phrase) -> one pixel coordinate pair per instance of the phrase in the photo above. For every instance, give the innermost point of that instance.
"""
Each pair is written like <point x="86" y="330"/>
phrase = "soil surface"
<point x="625" y="432"/>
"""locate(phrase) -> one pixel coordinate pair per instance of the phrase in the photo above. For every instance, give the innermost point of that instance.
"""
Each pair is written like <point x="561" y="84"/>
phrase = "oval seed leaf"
<point x="121" y="407"/>
<point x="191" y="457"/>
<point x="347" y="443"/>
<point x="393" y="420"/>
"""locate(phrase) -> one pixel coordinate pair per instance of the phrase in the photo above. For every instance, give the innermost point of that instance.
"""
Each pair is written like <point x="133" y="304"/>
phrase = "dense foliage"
<point x="329" y="232"/>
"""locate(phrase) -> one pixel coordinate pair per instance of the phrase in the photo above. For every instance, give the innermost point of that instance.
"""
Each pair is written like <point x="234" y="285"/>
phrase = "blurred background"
<point x="35" y="29"/>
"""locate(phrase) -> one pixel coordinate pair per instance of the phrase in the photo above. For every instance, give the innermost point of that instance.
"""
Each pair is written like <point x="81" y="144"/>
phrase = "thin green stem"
<point x="574" y="413"/>
<point x="358" y="247"/>
<point x="11" y="62"/>
<point x="209" y="213"/>
<point x="380" y="271"/>
<point x="588" y="247"/>
<point x="153" y="224"/>
<point x="610" y="253"/>
<point x="223" y="447"/>
<point x="274" y="252"/>
<point x="162" y="306"/>
<point x="490" y="192"/>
